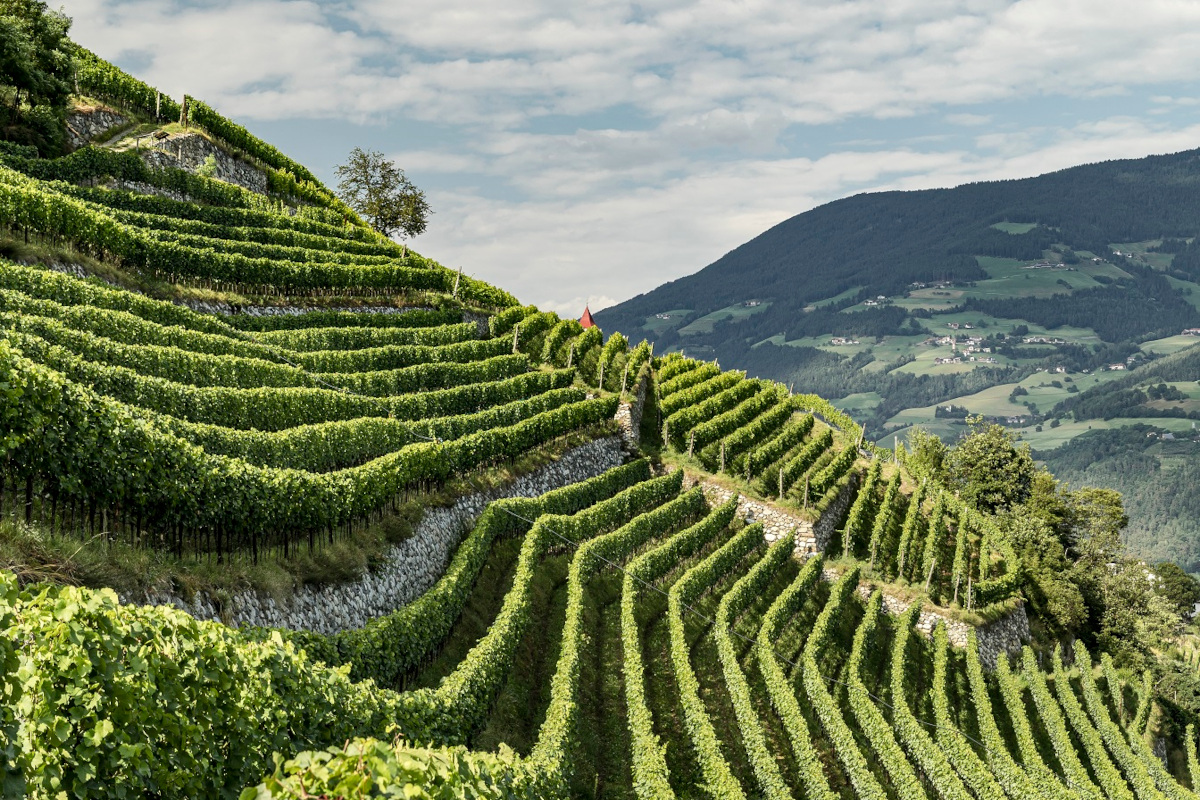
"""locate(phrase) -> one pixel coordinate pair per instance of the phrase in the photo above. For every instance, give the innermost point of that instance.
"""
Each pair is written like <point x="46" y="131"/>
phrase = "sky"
<point x="590" y="151"/>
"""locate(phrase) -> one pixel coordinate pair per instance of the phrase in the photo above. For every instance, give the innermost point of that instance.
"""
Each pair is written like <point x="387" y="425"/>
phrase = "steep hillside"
<point x="522" y="560"/>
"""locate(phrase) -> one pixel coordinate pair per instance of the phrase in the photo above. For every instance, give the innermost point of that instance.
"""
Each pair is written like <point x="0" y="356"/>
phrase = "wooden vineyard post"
<point x="157" y="104"/>
<point x="571" y="355"/>
<point x="691" y="443"/>
<point x="600" y="383"/>
<point x="780" y="495"/>
<point x="516" y="332"/>
<point x="722" y="455"/>
<point x="624" y="378"/>
<point x="457" y="278"/>
<point x="805" y="491"/>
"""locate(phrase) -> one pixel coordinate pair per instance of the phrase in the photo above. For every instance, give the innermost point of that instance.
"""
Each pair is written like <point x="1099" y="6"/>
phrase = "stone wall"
<point x="776" y="522"/>
<point x="227" y="310"/>
<point x="412" y="567"/>
<point x="481" y="323"/>
<point x="833" y="515"/>
<point x="146" y="188"/>
<point x="1005" y="635"/>
<point x="629" y="415"/>
<point x="84" y="125"/>
<point x="1002" y="636"/>
<point x="190" y="151"/>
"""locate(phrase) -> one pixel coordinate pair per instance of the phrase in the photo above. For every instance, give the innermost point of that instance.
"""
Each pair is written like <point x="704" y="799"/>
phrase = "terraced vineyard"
<point x="628" y="635"/>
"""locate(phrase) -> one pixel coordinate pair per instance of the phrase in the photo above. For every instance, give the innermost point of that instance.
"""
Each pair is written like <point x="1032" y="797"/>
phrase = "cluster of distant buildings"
<point x="965" y="360"/>
<point x="972" y="347"/>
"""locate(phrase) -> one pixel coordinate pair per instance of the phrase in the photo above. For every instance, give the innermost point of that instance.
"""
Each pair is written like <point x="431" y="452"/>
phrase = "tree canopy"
<point x="989" y="469"/>
<point x="35" y="71"/>
<point x="379" y="190"/>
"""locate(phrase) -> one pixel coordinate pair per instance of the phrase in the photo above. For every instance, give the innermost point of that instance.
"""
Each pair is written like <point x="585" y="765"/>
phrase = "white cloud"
<point x="969" y="120"/>
<point x="622" y="245"/>
<point x="619" y="145"/>
<point x="815" y="61"/>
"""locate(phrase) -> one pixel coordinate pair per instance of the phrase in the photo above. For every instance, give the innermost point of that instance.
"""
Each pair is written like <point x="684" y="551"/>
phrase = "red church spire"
<point x="586" y="320"/>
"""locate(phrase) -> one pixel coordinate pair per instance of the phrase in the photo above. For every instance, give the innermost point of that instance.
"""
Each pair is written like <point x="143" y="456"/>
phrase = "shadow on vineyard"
<point x="515" y="557"/>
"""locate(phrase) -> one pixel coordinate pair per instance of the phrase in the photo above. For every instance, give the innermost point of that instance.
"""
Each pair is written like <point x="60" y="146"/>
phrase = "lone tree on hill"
<point x="374" y="187"/>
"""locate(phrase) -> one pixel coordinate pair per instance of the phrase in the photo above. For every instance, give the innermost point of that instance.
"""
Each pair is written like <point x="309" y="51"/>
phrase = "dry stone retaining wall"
<point x="834" y="514"/>
<point x="629" y="416"/>
<point x="227" y="310"/>
<point x="1004" y="636"/>
<point x="146" y="188"/>
<point x="412" y="567"/>
<point x="776" y="522"/>
<point x="190" y="151"/>
<point x="84" y="126"/>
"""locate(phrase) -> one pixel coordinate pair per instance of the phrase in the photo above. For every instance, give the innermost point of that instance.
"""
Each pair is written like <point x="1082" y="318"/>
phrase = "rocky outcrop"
<point x="411" y="568"/>
<point x="190" y="151"/>
<point x="86" y="125"/>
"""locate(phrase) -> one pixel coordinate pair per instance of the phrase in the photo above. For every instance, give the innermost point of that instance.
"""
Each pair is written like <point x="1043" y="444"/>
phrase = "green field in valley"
<point x="735" y="312"/>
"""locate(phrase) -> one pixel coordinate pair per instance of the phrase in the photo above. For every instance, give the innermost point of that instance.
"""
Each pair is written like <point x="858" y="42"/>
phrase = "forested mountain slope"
<point x="1000" y="299"/>
<point x="880" y="243"/>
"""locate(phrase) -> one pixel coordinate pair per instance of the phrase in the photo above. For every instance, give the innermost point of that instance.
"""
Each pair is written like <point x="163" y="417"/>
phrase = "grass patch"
<point x="666" y="320"/>
<point x="837" y="298"/>
<point x="1015" y="228"/>
<point x="736" y="312"/>
<point x="747" y="627"/>
<point x="707" y="666"/>
<point x="1169" y="344"/>
<point x="602" y="684"/>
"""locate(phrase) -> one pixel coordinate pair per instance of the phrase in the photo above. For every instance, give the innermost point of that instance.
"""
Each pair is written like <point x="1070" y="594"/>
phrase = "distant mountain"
<point x="1030" y="302"/>
<point x="880" y="243"/>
